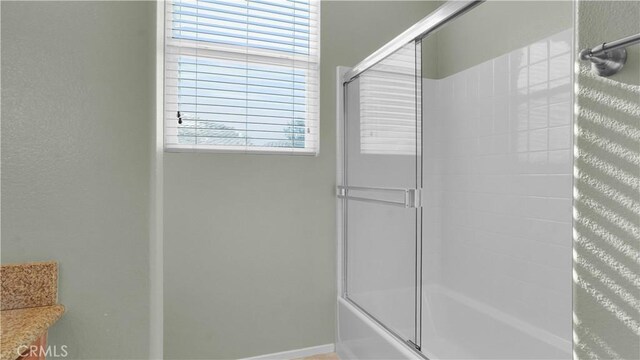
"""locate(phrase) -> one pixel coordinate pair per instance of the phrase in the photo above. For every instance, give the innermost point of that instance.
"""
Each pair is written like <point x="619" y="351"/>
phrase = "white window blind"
<point x="390" y="105"/>
<point x="242" y="75"/>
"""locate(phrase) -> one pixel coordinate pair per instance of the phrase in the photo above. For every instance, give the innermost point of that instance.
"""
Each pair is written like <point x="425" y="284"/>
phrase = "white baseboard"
<point x="296" y="354"/>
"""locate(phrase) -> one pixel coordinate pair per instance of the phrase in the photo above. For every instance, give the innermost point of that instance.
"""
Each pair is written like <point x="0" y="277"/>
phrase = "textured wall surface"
<point x="607" y="191"/>
<point x="77" y="114"/>
<point x="251" y="238"/>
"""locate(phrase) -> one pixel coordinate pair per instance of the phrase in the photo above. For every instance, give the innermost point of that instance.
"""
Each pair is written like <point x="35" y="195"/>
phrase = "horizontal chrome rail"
<point x="440" y="16"/>
<point x="411" y="197"/>
<point x="608" y="58"/>
<point x="586" y="54"/>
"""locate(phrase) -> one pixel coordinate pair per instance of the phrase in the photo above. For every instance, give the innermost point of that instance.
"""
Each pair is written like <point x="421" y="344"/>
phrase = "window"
<point x="242" y="75"/>
<point x="390" y="105"/>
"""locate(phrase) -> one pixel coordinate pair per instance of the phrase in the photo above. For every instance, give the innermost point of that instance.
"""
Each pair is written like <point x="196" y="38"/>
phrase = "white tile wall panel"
<point x="498" y="184"/>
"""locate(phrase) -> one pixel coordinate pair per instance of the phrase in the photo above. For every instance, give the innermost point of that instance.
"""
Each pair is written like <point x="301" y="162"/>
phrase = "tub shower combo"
<point x="455" y="193"/>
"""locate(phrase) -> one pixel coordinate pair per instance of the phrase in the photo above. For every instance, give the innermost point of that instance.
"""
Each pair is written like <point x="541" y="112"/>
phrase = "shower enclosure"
<point x="455" y="190"/>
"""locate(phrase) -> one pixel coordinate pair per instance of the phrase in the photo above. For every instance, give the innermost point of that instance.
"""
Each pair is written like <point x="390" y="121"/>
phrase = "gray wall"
<point x="607" y="201"/>
<point x="249" y="240"/>
<point x="77" y="115"/>
<point x="480" y="35"/>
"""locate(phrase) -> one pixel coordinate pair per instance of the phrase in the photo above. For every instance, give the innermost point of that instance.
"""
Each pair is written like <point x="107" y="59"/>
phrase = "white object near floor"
<point x="296" y="354"/>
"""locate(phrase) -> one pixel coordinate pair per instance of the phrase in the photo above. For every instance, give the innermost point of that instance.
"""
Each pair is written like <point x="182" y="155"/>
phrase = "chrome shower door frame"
<point x="409" y="198"/>
<point x="447" y="12"/>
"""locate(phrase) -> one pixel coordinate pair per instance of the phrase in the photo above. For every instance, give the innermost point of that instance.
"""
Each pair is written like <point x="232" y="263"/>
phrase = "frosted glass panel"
<point x="381" y="263"/>
<point x="382" y="168"/>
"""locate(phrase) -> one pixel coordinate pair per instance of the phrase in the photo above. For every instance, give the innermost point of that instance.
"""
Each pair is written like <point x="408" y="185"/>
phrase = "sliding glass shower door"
<point x="381" y="192"/>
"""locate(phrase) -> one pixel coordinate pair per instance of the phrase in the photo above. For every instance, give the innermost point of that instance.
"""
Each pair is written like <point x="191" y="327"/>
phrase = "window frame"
<point x="312" y="139"/>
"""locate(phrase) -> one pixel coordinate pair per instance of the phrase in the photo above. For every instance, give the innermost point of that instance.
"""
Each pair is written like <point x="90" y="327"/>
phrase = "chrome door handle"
<point x="411" y="198"/>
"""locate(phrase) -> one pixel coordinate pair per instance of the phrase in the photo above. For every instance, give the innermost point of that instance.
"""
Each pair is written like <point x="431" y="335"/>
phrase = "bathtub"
<point x="454" y="327"/>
